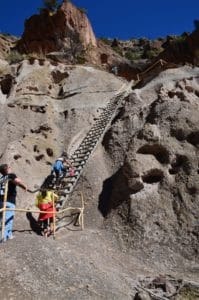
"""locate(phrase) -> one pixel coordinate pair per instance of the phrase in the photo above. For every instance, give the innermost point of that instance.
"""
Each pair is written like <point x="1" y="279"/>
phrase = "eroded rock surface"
<point x="6" y="42"/>
<point x="68" y="28"/>
<point x="183" y="49"/>
<point x="140" y="186"/>
<point x="154" y="141"/>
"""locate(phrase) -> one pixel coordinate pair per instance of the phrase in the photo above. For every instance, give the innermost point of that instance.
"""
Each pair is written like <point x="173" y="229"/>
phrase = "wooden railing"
<point x="160" y="61"/>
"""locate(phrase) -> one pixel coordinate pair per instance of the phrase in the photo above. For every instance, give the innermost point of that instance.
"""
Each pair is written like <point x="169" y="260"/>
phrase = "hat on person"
<point x="64" y="154"/>
<point x="3" y="168"/>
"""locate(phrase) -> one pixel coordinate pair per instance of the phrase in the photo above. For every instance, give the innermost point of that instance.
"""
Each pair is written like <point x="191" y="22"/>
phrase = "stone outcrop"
<point x="140" y="184"/>
<point x="108" y="58"/>
<point x="184" y="49"/>
<point x="6" y="42"/>
<point x="67" y="36"/>
<point x="67" y="28"/>
<point x="154" y="143"/>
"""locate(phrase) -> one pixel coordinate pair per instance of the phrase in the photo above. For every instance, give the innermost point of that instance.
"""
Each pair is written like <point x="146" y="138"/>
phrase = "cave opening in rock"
<point x="114" y="193"/>
<point x="160" y="152"/>
<point x="193" y="138"/>
<point x="6" y="84"/>
<point x="153" y="176"/>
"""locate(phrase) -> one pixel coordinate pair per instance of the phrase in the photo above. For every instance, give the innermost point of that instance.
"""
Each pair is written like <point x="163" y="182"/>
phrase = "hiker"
<point x="44" y="201"/>
<point x="13" y="182"/>
<point x="61" y="166"/>
<point x="114" y="70"/>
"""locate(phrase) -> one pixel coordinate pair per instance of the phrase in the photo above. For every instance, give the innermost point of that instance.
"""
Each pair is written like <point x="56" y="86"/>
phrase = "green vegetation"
<point x="83" y="10"/>
<point x="9" y="36"/>
<point x="118" y="50"/>
<point x="181" y="43"/>
<point x="196" y="24"/>
<point x="143" y="41"/>
<point x="2" y="70"/>
<point x="179" y="39"/>
<point x="130" y="55"/>
<point x="14" y="57"/>
<point x="81" y="59"/>
<point x="49" y="5"/>
<point x="189" y="294"/>
<point x="106" y="40"/>
<point x="133" y="40"/>
<point x="6" y="34"/>
<point x="150" y="54"/>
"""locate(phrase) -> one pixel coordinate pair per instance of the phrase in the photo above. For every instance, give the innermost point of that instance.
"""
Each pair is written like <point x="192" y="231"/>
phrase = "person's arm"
<point x="69" y="163"/>
<point x="56" y="197"/>
<point x="19" y="182"/>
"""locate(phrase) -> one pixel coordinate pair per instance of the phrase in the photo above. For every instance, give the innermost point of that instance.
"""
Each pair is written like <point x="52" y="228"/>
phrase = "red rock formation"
<point x="69" y="35"/>
<point x="67" y="28"/>
<point x="182" y="50"/>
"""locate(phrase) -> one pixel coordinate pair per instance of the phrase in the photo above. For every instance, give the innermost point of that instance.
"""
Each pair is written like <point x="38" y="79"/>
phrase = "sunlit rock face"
<point x="6" y="42"/>
<point x="48" y="32"/>
<point x="67" y="36"/>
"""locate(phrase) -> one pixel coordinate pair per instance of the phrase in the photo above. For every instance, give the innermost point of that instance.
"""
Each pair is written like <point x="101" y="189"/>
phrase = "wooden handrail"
<point x="4" y="212"/>
<point x="79" y="209"/>
<point x="161" y="61"/>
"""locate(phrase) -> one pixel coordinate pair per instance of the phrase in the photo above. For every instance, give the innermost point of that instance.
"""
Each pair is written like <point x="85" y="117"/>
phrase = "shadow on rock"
<point x="115" y="191"/>
<point x="33" y="223"/>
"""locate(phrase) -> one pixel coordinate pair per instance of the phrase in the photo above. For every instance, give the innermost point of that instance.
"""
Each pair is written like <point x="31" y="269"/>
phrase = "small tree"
<point x="196" y="24"/>
<point x="51" y="4"/>
<point x="83" y="10"/>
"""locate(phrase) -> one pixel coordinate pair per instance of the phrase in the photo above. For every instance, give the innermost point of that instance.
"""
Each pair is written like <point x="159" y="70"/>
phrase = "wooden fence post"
<point x="54" y="215"/>
<point x="82" y="211"/>
<point x="4" y="212"/>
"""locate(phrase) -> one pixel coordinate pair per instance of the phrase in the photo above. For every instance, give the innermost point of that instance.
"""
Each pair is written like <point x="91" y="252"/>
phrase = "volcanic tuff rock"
<point x="141" y="183"/>
<point x="48" y="99"/>
<point x="67" y="36"/>
<point x="6" y="42"/>
<point x="67" y="28"/>
<point x="183" y="49"/>
<point x="154" y="142"/>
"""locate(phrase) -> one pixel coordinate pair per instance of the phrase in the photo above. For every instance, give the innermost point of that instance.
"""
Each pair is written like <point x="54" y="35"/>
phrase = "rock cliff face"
<point x="6" y="42"/>
<point x="183" y="49"/>
<point x="45" y="97"/>
<point x="141" y="184"/>
<point x="155" y="142"/>
<point x="68" y="28"/>
<point x="67" y="36"/>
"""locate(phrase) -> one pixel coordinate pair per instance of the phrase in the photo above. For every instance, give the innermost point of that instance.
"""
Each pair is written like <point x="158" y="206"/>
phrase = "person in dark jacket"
<point x="13" y="182"/>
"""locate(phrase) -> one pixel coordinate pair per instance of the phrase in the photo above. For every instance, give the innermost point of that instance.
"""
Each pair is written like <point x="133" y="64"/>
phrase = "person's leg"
<point x="45" y="227"/>
<point x="51" y="224"/>
<point x="9" y="221"/>
<point x="1" y="206"/>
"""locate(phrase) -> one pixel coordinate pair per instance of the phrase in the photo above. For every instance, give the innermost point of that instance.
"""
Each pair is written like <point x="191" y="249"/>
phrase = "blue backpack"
<point x="57" y="167"/>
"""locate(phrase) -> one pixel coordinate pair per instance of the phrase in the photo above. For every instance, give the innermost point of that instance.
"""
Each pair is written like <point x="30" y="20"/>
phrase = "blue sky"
<point x="122" y="19"/>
